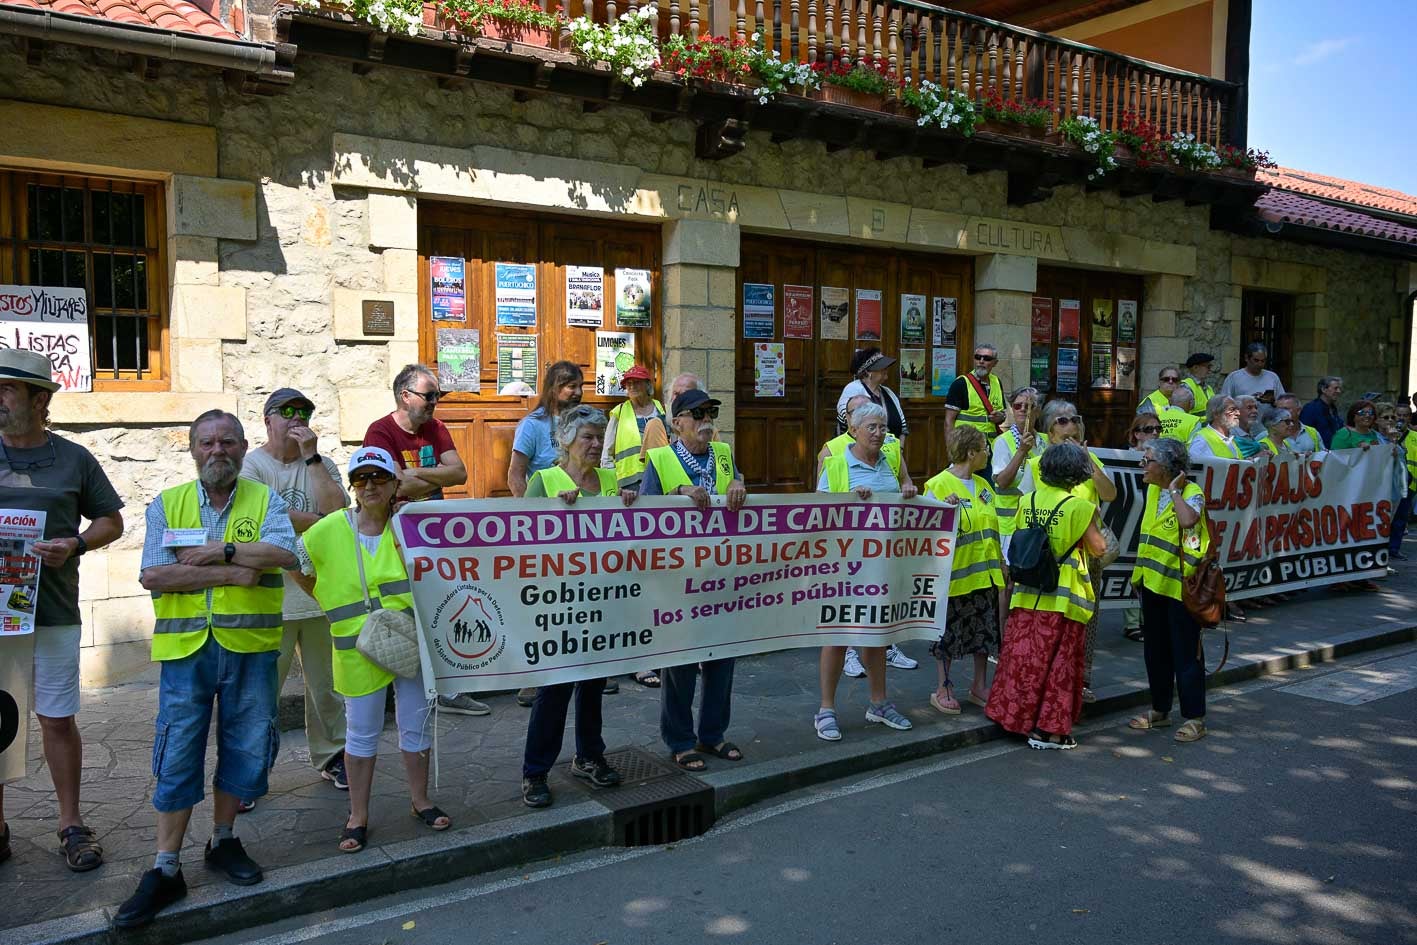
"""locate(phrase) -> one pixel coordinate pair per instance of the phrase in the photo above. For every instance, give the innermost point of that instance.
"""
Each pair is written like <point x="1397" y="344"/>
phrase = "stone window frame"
<point x="150" y="369"/>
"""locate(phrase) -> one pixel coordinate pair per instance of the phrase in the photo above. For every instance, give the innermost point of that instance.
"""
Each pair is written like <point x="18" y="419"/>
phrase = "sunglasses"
<point x="1364" y="413"/>
<point x="370" y="479"/>
<point x="1170" y="380"/>
<point x="290" y="413"/>
<point x="430" y="397"/>
<point x="699" y="413"/>
<point x="24" y="465"/>
<point x="986" y="358"/>
<point x="1066" y="421"/>
<point x="1021" y="405"/>
<point x="1148" y="429"/>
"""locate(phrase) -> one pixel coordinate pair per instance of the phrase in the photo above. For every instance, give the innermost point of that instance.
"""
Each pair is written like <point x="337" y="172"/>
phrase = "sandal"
<point x="827" y="728"/>
<point x="430" y="817"/>
<point x="358" y="835"/>
<point x="1134" y="634"/>
<point x="975" y="698"/>
<point x="80" y="848"/>
<point x="690" y="761"/>
<point x="727" y="751"/>
<point x="1151" y="720"/>
<point x="1192" y="730"/>
<point x="647" y="678"/>
<point x="949" y="705"/>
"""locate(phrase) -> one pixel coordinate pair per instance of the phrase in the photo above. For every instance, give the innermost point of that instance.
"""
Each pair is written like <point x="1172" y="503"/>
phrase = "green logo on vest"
<point x="245" y="530"/>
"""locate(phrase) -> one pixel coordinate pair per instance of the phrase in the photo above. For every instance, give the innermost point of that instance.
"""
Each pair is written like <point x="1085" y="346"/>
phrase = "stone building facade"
<point x="284" y="213"/>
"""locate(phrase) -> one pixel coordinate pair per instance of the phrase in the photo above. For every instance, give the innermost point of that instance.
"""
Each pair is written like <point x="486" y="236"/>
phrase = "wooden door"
<point x="1107" y="410"/>
<point x="778" y="438"/>
<point x="483" y="423"/>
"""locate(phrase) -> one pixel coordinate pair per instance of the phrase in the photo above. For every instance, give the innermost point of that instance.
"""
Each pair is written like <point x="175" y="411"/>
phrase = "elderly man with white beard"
<point x="697" y="466"/>
<point x="212" y="559"/>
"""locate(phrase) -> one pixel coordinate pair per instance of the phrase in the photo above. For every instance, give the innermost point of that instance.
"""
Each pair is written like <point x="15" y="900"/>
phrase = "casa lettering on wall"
<point x="706" y="199"/>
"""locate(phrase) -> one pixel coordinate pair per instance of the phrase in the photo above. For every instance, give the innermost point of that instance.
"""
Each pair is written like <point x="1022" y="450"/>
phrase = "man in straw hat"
<point x="43" y="472"/>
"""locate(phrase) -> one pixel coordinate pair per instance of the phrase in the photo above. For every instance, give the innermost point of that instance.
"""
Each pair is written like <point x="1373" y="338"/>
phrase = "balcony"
<point x="982" y="60"/>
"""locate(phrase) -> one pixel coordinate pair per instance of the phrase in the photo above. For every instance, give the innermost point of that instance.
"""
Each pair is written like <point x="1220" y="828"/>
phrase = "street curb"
<point x="340" y="880"/>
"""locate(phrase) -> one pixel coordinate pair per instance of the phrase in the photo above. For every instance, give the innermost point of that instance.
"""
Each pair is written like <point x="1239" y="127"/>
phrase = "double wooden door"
<point x="777" y="438"/>
<point x="483" y="423"/>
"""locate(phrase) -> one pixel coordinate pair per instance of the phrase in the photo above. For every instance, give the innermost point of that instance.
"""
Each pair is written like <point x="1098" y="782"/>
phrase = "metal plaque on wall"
<point x="378" y="317"/>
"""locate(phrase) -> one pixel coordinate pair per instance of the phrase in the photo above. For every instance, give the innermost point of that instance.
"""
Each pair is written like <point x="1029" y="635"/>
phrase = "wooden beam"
<point x="1237" y="69"/>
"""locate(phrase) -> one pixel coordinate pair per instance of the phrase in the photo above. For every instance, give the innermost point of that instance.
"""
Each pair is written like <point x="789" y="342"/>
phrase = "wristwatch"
<point x="80" y="546"/>
<point x="313" y="460"/>
<point x="229" y="551"/>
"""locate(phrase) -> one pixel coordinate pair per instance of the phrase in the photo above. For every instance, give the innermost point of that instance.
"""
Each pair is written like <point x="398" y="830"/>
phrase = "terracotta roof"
<point x="179" y="16"/>
<point x="1281" y="207"/>
<point x="1336" y="188"/>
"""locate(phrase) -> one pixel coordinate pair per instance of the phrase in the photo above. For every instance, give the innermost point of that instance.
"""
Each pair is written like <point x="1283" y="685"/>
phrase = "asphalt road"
<point x="1295" y="821"/>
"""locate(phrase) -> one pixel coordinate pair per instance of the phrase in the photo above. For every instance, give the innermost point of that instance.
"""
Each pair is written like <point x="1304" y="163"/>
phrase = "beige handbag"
<point x="389" y="638"/>
<point x="1114" y="547"/>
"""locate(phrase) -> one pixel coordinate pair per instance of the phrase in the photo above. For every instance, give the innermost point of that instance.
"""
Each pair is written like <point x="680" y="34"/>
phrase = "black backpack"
<point x="1031" y="560"/>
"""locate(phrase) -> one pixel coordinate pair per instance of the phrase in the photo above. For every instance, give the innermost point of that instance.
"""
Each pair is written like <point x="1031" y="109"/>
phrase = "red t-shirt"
<point x="418" y="450"/>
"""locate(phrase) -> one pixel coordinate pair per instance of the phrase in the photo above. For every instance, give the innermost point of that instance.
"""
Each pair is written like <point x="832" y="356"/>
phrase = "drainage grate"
<point x="657" y="803"/>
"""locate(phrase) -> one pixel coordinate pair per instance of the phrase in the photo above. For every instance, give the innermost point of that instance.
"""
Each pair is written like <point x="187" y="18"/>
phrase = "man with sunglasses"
<point x="418" y="441"/>
<point x="43" y="472"/>
<point x="976" y="399"/>
<point x="1167" y="380"/>
<point x="290" y="463"/>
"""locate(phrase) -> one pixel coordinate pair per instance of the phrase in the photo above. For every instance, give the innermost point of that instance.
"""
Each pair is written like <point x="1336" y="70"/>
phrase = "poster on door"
<point x="1126" y="368"/>
<point x="835" y="307"/>
<point x="945" y="319"/>
<point x="516" y="365"/>
<point x="797" y="311"/>
<point x="1040" y="367"/>
<point x="759" y="310"/>
<point x="1069" y="322"/>
<point x="769" y="369"/>
<point x="1042" y="330"/>
<point x="447" y="277"/>
<point x="914" y="375"/>
<point x="912" y="320"/>
<point x="1101" y="367"/>
<point x="459" y="359"/>
<point x="1102" y="321"/>
<point x="614" y="355"/>
<point x="1127" y="321"/>
<point x="868" y="314"/>
<point x="515" y="294"/>
<point x="943" y="371"/>
<point x="633" y="295"/>
<point x="585" y="297"/>
<point x="1067" y="370"/>
<point x="53" y="321"/>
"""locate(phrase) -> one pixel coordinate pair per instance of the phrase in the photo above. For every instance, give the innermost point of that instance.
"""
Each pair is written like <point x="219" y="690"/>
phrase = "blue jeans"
<point x="676" y="704"/>
<point x="1398" y="529"/>
<point x="244" y="686"/>
<point x="547" y="726"/>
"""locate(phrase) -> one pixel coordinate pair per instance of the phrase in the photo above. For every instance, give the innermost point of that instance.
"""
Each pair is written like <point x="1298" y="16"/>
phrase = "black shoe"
<point x="1398" y="556"/>
<point x="596" y="771"/>
<point x="228" y="857"/>
<point x="5" y="844"/>
<point x="155" y="893"/>
<point x="334" y="773"/>
<point x="536" y="792"/>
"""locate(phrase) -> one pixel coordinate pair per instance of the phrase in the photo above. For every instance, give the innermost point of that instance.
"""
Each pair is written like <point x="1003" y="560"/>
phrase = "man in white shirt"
<point x="1254" y="380"/>
<point x="1214" y="439"/>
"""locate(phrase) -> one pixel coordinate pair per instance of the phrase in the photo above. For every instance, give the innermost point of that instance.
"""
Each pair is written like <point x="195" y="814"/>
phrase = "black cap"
<point x="286" y="395"/>
<point x="1200" y="357"/>
<point x="869" y="359"/>
<point x="690" y="399"/>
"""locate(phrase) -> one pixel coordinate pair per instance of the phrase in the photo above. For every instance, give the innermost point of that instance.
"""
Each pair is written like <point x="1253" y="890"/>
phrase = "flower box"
<point x="492" y="28"/>
<point x="1014" y="129"/>
<point x="841" y="95"/>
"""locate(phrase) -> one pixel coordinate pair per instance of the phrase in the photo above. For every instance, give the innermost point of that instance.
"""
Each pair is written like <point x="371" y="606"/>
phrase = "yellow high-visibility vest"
<point x="1162" y="557"/>
<point x="1218" y="446"/>
<point x="629" y="467"/>
<point x="672" y="475"/>
<point x="890" y="449"/>
<point x="977" y="559"/>
<point x="244" y="619"/>
<point x="1073" y="597"/>
<point x="976" y="415"/>
<point x="1006" y="500"/>
<point x="1200" y="392"/>
<point x="556" y="480"/>
<point x="1158" y="400"/>
<point x="331" y="544"/>
<point x="1177" y="424"/>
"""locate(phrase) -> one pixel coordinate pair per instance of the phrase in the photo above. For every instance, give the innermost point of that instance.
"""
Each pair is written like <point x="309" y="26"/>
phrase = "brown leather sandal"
<point x="81" y="849"/>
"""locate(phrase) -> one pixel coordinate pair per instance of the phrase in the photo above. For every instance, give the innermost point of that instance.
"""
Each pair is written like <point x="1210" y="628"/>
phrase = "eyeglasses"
<point x="1022" y="405"/>
<point x="290" y="413"/>
<point x="986" y="358"/>
<point x="430" y="397"/>
<point x="1066" y="421"/>
<point x="1148" y="429"/>
<point x="1170" y="380"/>
<point x="698" y="413"/>
<point x="370" y="479"/>
<point x="25" y="465"/>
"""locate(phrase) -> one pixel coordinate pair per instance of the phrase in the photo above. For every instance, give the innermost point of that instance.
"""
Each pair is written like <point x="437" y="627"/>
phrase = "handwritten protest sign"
<point x="512" y="593"/>
<point x="53" y="321"/>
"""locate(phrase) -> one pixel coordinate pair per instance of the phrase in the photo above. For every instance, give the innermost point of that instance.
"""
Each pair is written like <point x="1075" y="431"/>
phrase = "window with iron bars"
<point x="102" y="235"/>
<point x="1268" y="317"/>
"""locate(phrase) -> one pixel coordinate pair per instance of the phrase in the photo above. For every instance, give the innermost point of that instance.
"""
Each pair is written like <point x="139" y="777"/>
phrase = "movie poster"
<point x="945" y="313"/>
<point x="868" y="314"/>
<point x="835" y="307"/>
<point x="1069" y="322"/>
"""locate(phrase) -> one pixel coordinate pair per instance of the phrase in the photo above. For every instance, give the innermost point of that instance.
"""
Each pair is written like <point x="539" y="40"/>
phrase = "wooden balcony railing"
<point x="971" y="54"/>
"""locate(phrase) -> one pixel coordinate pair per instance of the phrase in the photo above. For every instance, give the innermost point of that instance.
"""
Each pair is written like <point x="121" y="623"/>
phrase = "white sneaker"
<point x="894" y="657"/>
<point x="853" y="667"/>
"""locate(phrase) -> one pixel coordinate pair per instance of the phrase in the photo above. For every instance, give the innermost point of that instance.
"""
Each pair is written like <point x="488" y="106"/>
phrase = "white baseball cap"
<point x="375" y="456"/>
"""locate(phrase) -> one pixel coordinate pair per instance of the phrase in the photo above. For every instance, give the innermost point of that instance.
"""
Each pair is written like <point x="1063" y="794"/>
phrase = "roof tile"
<point x="178" y="16"/>
<point x="1336" y="188"/>
<point x="1282" y="207"/>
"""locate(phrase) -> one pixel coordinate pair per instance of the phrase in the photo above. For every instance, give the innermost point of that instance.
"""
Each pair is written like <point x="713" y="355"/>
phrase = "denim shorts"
<point x="244" y="687"/>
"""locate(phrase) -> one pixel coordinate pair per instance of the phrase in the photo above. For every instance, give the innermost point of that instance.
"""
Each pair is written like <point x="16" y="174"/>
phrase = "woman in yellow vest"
<point x="863" y="469"/>
<point x="1145" y="428"/>
<point x="1174" y="538"/>
<point x="977" y="573"/>
<point x="332" y="552"/>
<point x="624" y="431"/>
<point x="1037" y="688"/>
<point x="1014" y="446"/>
<point x="1279" y="426"/>
<point x="579" y="437"/>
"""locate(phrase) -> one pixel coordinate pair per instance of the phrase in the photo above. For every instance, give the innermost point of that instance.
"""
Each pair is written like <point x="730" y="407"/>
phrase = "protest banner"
<point x="512" y="593"/>
<point x="1282" y="524"/>
<point x="53" y="321"/>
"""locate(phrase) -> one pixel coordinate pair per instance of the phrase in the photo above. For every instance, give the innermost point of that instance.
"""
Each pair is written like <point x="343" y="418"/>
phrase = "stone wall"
<point x="288" y="211"/>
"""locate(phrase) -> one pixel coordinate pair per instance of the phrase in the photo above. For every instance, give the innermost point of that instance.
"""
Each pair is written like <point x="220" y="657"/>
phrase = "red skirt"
<point x="1038" y="684"/>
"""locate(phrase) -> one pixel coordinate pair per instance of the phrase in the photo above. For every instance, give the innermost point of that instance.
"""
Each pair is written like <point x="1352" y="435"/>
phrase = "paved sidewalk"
<point x="293" y="832"/>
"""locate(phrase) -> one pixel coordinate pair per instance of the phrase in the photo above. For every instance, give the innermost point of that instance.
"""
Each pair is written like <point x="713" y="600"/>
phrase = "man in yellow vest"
<point x="838" y="444"/>
<point x="976" y="398"/>
<point x="1305" y="439"/>
<point x="1198" y="370"/>
<point x="1167" y="380"/>
<point x="1177" y="421"/>
<point x="212" y="559"/>
<point x="1222" y="415"/>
